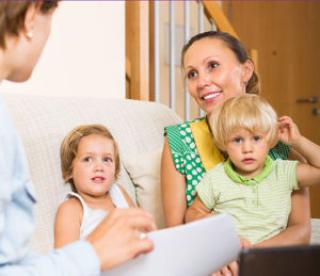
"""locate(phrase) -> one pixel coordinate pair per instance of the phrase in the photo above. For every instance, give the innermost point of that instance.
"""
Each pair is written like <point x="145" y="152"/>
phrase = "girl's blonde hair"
<point x="248" y="111"/>
<point x="70" y="144"/>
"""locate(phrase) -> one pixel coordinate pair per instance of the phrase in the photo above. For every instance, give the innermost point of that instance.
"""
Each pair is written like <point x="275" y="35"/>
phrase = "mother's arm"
<point x="299" y="228"/>
<point x="172" y="189"/>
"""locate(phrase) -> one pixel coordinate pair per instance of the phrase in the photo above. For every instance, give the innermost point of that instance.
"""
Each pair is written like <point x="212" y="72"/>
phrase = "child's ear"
<point x="68" y="177"/>
<point x="225" y="155"/>
<point x="247" y="70"/>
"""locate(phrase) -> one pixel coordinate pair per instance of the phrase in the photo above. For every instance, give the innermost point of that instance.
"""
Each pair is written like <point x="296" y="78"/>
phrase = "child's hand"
<point x="288" y="131"/>
<point x="244" y="243"/>
<point x="231" y="269"/>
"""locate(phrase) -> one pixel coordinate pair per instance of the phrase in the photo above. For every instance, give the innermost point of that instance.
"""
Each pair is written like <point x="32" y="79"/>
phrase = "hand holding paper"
<point x="194" y="249"/>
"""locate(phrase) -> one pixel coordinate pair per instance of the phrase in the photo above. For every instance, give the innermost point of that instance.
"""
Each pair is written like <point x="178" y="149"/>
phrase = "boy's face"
<point x="94" y="166"/>
<point x="247" y="151"/>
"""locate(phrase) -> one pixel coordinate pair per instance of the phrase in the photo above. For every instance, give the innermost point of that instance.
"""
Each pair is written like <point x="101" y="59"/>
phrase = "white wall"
<point x="85" y="53"/>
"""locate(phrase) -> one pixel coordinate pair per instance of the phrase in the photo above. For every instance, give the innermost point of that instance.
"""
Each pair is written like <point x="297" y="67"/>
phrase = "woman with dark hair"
<point x="217" y="67"/>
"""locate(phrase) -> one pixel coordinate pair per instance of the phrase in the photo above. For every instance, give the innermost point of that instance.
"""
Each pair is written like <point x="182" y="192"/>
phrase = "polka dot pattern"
<point x="186" y="157"/>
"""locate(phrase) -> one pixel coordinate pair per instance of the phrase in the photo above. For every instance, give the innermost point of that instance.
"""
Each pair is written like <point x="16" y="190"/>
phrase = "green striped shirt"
<point x="260" y="210"/>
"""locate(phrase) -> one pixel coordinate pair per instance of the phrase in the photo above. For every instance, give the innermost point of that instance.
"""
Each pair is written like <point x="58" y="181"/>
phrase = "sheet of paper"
<point x="194" y="249"/>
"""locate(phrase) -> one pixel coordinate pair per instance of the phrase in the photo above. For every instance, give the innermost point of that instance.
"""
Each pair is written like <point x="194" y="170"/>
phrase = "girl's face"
<point x="213" y="73"/>
<point x="94" y="166"/>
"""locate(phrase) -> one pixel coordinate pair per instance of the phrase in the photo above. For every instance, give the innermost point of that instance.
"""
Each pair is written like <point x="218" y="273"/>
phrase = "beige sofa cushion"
<point x="144" y="171"/>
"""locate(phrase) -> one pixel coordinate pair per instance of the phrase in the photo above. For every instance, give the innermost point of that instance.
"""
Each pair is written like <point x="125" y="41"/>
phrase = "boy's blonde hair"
<point x="250" y="112"/>
<point x="69" y="149"/>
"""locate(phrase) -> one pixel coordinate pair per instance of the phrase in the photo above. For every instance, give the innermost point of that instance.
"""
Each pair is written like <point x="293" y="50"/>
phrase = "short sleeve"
<point x="185" y="156"/>
<point x="176" y="136"/>
<point x="288" y="170"/>
<point x="292" y="174"/>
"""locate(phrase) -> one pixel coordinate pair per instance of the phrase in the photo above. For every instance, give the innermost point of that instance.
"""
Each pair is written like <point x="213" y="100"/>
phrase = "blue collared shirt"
<point x="17" y="218"/>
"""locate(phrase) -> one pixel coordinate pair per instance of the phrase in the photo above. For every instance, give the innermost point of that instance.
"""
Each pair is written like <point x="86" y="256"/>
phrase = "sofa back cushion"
<point x="42" y="123"/>
<point x="144" y="171"/>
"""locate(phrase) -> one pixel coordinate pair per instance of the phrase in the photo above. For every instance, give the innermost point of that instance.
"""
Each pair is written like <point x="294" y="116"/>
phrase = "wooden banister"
<point x="214" y="11"/>
<point x="137" y="49"/>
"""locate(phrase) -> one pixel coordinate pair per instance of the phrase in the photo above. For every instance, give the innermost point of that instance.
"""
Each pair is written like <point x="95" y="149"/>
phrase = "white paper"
<point x="195" y="249"/>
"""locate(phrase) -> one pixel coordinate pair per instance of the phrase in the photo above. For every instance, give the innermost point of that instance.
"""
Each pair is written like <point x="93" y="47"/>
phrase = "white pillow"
<point x="144" y="171"/>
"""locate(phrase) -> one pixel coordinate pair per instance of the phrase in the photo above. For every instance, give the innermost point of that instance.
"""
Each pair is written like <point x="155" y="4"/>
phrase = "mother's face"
<point x="214" y="73"/>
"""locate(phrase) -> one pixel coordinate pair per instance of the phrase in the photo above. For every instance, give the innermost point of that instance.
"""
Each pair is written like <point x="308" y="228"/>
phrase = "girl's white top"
<point x="92" y="217"/>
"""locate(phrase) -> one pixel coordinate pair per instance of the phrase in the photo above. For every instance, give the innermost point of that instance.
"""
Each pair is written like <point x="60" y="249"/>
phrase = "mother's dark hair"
<point x="12" y="15"/>
<point x="252" y="86"/>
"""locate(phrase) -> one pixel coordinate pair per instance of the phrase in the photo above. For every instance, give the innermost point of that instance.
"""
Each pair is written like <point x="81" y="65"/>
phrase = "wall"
<point x="84" y="55"/>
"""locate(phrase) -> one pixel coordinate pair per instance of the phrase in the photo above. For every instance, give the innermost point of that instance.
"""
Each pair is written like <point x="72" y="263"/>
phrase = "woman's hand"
<point x="244" y="243"/>
<point x="121" y="236"/>
<point x="288" y="131"/>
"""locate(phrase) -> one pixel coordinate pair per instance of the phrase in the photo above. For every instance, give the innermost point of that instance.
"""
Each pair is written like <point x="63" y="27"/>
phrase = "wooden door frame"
<point x="137" y="50"/>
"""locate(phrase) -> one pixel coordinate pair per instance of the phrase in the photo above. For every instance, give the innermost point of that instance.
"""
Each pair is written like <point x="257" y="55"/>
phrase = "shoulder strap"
<point x="76" y="195"/>
<point x="117" y="196"/>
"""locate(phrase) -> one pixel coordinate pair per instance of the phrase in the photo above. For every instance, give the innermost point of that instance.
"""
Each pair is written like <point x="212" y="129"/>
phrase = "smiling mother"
<point x="217" y="67"/>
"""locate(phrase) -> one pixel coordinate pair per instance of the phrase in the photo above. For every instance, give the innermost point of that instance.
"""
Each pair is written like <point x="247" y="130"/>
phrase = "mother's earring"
<point x="29" y="34"/>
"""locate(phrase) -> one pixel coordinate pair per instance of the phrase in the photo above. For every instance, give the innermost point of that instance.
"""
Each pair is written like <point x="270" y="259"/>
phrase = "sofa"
<point x="42" y="123"/>
<point x="137" y="126"/>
